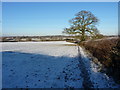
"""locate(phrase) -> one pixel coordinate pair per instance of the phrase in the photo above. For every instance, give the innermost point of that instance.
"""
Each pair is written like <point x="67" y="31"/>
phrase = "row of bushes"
<point x="107" y="51"/>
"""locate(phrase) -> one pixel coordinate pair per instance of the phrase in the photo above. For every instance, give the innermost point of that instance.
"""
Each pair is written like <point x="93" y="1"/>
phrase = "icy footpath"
<point x="91" y="75"/>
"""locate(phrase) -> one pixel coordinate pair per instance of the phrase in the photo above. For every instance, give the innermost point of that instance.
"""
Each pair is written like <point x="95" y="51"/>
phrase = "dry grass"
<point x="107" y="52"/>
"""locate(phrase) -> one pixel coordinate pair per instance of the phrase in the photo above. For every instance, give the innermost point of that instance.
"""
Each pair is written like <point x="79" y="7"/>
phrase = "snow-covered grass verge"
<point x="98" y="79"/>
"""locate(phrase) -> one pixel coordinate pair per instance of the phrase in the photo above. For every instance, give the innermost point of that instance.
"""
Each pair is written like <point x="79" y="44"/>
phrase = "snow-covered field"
<point x="49" y="65"/>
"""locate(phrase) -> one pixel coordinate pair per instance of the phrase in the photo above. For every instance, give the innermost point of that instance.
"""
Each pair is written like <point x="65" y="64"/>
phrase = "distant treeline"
<point x="34" y="38"/>
<point x="44" y="38"/>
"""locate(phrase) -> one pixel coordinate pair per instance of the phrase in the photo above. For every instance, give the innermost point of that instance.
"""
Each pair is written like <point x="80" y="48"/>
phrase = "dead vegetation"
<point x="107" y="52"/>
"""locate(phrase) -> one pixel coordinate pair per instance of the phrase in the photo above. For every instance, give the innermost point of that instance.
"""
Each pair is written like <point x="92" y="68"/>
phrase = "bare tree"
<point x="83" y="24"/>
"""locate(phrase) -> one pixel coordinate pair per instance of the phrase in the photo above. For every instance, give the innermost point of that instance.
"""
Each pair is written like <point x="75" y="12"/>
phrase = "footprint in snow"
<point x="11" y="70"/>
<point x="10" y="75"/>
<point x="32" y="57"/>
<point x="35" y="84"/>
<point x="13" y="73"/>
<point x="64" y="72"/>
<point x="58" y="78"/>
<point x="27" y="76"/>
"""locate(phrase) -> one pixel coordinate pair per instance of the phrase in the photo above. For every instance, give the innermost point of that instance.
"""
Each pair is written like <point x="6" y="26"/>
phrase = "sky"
<point x="60" y="0"/>
<point x="50" y="18"/>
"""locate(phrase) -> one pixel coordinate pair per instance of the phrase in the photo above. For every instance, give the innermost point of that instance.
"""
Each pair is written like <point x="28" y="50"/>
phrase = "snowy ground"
<point x="49" y="65"/>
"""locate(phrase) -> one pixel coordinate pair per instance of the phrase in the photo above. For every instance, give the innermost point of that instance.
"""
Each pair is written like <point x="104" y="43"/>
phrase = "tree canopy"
<point x="82" y="24"/>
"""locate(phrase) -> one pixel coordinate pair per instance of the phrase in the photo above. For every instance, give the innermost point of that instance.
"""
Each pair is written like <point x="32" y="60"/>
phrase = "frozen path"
<point x="49" y="65"/>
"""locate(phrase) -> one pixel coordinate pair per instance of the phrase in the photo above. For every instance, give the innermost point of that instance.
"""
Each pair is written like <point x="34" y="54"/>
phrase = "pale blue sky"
<point x="60" y="0"/>
<point x="50" y="18"/>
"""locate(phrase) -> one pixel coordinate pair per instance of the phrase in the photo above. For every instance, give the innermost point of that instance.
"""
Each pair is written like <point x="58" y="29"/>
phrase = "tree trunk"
<point x="83" y="36"/>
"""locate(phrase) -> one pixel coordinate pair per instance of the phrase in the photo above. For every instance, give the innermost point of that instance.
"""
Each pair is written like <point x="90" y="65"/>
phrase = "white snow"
<point x="99" y="80"/>
<point x="40" y="65"/>
<point x="47" y="65"/>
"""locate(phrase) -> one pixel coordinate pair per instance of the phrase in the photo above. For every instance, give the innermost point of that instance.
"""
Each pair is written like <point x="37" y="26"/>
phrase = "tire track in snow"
<point x="87" y="83"/>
